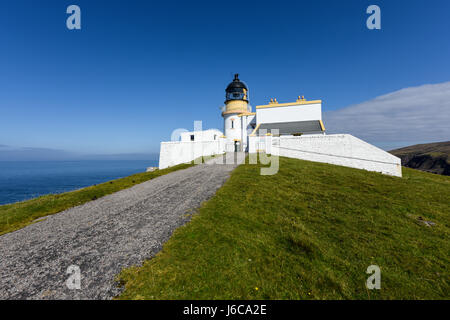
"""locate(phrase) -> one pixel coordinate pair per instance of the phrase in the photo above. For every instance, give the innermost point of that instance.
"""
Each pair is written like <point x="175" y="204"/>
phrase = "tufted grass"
<point x="308" y="232"/>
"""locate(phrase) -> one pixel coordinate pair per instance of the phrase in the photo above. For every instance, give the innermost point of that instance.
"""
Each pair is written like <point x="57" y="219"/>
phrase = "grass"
<point x="308" y="232"/>
<point x="18" y="215"/>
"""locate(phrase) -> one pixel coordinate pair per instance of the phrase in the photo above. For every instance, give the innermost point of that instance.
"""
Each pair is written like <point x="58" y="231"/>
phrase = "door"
<point x="237" y="146"/>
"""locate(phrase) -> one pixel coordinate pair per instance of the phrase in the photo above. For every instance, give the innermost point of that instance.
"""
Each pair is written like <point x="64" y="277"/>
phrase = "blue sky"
<point x="139" y="69"/>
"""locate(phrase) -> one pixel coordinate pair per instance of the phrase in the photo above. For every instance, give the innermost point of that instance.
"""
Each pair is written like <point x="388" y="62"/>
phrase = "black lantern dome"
<point x="236" y="90"/>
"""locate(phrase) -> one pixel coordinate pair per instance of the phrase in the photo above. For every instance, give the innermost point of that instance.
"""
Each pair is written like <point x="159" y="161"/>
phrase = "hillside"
<point x="430" y="157"/>
<point x="308" y="232"/>
<point x="20" y="214"/>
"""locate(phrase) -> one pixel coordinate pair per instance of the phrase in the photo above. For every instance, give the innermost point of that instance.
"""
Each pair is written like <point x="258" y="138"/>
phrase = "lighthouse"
<point x="289" y="129"/>
<point x="236" y="105"/>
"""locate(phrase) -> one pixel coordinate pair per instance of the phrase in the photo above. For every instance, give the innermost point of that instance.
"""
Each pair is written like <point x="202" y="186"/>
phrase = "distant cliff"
<point x="430" y="157"/>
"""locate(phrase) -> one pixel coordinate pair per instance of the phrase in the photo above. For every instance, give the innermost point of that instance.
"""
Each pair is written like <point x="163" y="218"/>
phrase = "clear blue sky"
<point x="139" y="69"/>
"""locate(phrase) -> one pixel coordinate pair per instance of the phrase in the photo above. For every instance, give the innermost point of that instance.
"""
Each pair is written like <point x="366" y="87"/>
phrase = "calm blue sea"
<point x="22" y="180"/>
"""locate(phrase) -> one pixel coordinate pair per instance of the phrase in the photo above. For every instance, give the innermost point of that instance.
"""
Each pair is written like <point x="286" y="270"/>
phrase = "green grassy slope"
<point x="20" y="214"/>
<point x="308" y="232"/>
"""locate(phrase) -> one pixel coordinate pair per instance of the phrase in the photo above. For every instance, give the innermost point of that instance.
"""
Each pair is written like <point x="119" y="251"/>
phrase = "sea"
<point x="23" y="180"/>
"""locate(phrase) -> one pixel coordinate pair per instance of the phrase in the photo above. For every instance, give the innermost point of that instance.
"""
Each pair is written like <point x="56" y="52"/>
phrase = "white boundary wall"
<point x="176" y="152"/>
<point x="339" y="149"/>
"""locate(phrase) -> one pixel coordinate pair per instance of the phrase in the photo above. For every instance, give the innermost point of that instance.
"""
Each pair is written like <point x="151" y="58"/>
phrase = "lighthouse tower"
<point x="236" y="104"/>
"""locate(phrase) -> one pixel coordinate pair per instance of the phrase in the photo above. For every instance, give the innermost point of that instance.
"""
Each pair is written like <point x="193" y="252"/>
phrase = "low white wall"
<point x="175" y="152"/>
<point x="340" y="149"/>
<point x="252" y="144"/>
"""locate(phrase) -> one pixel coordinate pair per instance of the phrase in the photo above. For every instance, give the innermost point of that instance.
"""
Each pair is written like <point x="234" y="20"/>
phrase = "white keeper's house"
<point x="292" y="129"/>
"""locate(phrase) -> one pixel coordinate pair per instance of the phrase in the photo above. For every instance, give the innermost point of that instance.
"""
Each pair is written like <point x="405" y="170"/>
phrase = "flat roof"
<point x="296" y="103"/>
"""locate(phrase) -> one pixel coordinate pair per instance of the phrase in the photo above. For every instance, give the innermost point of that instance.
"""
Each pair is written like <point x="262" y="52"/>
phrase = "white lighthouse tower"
<point x="236" y="104"/>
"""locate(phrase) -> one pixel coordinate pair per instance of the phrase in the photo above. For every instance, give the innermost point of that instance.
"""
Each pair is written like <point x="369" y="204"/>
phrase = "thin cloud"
<point x="408" y="116"/>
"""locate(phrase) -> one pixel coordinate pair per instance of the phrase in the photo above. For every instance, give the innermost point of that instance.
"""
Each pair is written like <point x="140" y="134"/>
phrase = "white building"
<point x="205" y="135"/>
<point x="299" y="117"/>
<point x="293" y="129"/>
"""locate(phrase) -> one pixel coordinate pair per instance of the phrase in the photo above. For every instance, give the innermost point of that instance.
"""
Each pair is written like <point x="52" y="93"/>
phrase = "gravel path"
<point x="102" y="236"/>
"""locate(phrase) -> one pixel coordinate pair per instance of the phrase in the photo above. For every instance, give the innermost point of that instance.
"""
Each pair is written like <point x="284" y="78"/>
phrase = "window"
<point x="215" y="136"/>
<point x="232" y="124"/>
<point x="192" y="137"/>
<point x="235" y="96"/>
